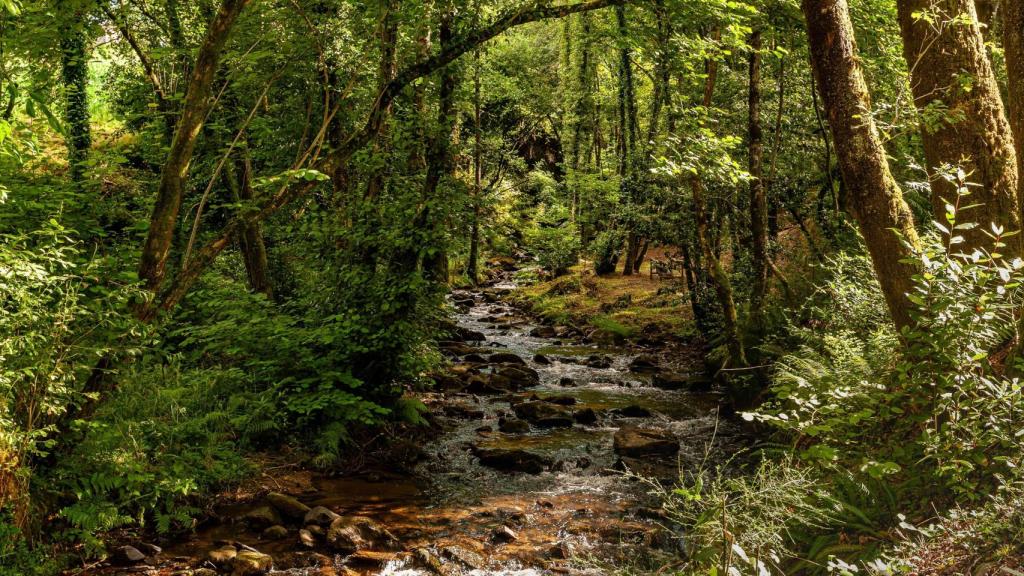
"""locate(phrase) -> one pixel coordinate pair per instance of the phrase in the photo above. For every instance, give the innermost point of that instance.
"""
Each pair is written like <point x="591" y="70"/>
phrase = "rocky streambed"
<point x="530" y="471"/>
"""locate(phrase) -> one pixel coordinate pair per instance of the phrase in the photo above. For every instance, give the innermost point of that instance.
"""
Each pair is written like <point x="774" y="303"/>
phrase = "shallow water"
<point x="453" y="504"/>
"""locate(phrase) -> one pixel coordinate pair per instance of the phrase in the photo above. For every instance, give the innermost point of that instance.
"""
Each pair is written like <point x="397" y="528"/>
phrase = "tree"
<point x="963" y="123"/>
<point x="75" y="77"/>
<point x="873" y="196"/>
<point x="758" y="197"/>
<point x="1013" y="44"/>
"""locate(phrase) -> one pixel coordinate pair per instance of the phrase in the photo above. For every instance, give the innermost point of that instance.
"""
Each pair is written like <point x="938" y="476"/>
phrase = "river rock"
<point x="454" y="348"/>
<point x="544" y="414"/>
<point x="598" y="362"/>
<point x="505" y="358"/>
<point x="561" y="400"/>
<point x="636" y="442"/>
<point x="288" y="506"/>
<point x="679" y="381"/>
<point x="464" y="556"/>
<point x="644" y="364"/>
<point x="222" y="557"/>
<point x="632" y="411"/>
<point x="474" y="358"/>
<point x="505" y="535"/>
<point x="306" y="538"/>
<point x="370" y="558"/>
<point x="585" y="416"/>
<point x="148" y="549"/>
<point x="348" y="535"/>
<point x="320" y="516"/>
<point x="519" y="376"/>
<point x="261" y="517"/>
<point x="543" y="332"/>
<point x="567" y="382"/>
<point x="541" y="359"/>
<point x="125" y="555"/>
<point x="275" y="532"/>
<point x="250" y="563"/>
<point x="488" y="384"/>
<point x="469" y="335"/>
<point x="513" y="426"/>
<point x="512" y="460"/>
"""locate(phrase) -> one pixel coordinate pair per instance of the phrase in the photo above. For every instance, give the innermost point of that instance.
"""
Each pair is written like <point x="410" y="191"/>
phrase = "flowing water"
<point x="457" y="517"/>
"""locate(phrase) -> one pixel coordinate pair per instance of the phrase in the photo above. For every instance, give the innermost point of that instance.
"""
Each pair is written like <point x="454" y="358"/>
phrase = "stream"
<point x="526" y="475"/>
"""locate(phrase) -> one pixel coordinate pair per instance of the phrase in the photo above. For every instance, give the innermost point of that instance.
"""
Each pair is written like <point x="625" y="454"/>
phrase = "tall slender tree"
<point x="74" y="70"/>
<point x="758" y="197"/>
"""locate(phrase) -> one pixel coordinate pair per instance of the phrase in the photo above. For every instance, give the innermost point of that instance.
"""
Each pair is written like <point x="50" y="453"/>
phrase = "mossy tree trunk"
<point x="74" y="61"/>
<point x="873" y="196"/>
<point x="963" y="123"/>
<point x="1013" y="45"/>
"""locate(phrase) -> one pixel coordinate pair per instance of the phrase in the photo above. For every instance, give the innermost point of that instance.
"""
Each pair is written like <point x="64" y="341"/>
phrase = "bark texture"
<point x="963" y="121"/>
<point x="874" y="198"/>
<point x="174" y="176"/>
<point x="758" y="197"/>
<point x="1013" y="45"/>
<point x="74" y="69"/>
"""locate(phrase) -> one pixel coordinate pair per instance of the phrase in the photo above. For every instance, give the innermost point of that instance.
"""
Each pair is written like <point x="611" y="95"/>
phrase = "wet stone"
<point x="222" y="557"/>
<point x="288" y="506"/>
<point x="543" y="332"/>
<point x="125" y="555"/>
<point x="644" y="364"/>
<point x="261" y="517"/>
<point x="275" y="532"/>
<point x="544" y="414"/>
<point x="599" y="362"/>
<point x="249" y="563"/>
<point x="513" y="426"/>
<point x="320" y="516"/>
<point x="567" y="382"/>
<point x="637" y="442"/>
<point x="505" y="358"/>
<point x="306" y="538"/>
<point x="504" y="534"/>
<point x="541" y="359"/>
<point x="585" y="416"/>
<point x="488" y="384"/>
<point x="512" y="460"/>
<point x="632" y="411"/>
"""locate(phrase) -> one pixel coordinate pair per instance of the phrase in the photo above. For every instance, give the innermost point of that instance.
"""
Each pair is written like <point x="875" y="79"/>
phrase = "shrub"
<point x="605" y="250"/>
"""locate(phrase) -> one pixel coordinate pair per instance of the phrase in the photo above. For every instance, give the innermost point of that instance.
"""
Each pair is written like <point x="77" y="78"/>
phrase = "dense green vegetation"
<point x="228" y="228"/>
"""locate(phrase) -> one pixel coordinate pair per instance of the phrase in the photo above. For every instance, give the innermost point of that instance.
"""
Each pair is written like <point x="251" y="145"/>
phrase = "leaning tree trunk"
<point x="198" y="101"/>
<point x="75" y="77"/>
<point x="758" y="198"/>
<point x="1013" y="44"/>
<point x="949" y="66"/>
<point x="873" y="196"/>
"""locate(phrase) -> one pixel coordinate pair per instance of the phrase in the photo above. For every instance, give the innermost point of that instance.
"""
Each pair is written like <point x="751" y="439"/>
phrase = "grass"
<point x="618" y="307"/>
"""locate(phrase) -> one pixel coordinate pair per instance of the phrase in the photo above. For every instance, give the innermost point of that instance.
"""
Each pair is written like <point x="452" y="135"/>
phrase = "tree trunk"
<point x="874" y="198"/>
<point x="238" y="176"/>
<point x="75" y="77"/>
<point x="1013" y="44"/>
<point x="175" y="171"/>
<point x="474" y="234"/>
<point x="758" y="197"/>
<point x="439" y="160"/>
<point x="719" y="275"/>
<point x="628" y="130"/>
<point x="943" y="56"/>
<point x="387" y="68"/>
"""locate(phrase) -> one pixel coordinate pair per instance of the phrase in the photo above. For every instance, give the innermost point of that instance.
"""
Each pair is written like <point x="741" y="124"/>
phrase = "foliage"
<point x="605" y="250"/>
<point x="554" y="240"/>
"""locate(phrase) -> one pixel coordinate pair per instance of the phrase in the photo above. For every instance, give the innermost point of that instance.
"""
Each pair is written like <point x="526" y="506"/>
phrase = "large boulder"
<point x="512" y="460"/>
<point x="544" y="414"/>
<point x="636" y="442"/>
<point x="288" y="506"/>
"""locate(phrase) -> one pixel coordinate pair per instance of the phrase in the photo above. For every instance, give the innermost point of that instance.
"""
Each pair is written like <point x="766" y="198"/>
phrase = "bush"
<point x="555" y="241"/>
<point x="605" y="250"/>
